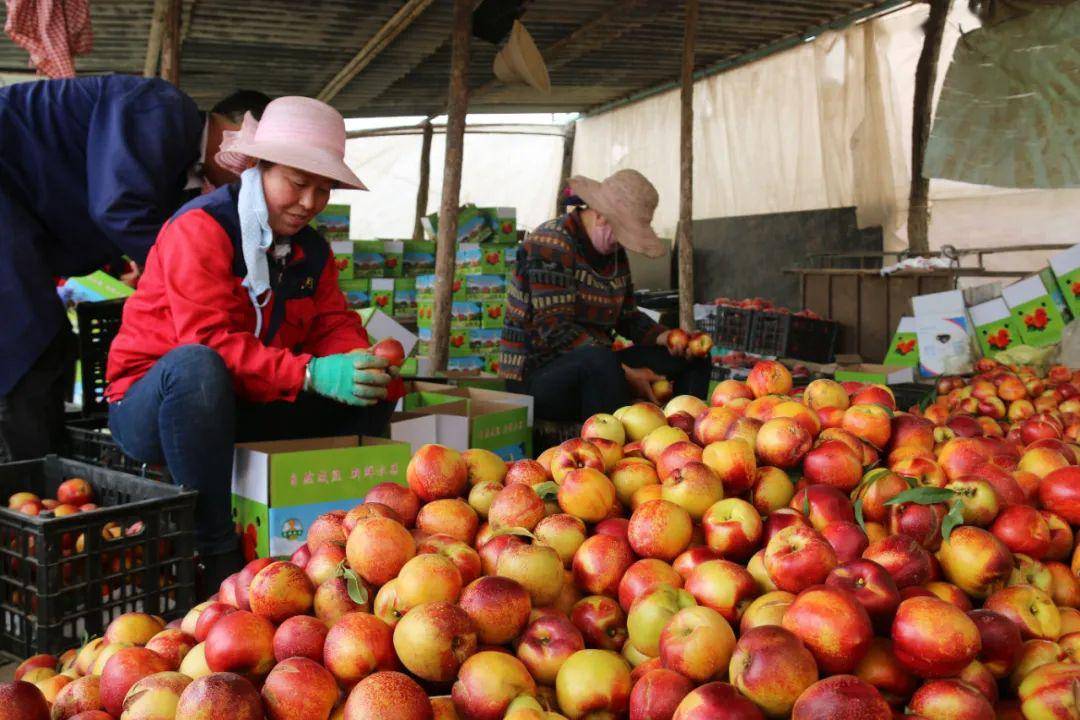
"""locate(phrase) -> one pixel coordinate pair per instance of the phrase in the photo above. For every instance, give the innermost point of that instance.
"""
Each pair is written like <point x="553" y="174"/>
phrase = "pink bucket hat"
<point x="300" y="132"/>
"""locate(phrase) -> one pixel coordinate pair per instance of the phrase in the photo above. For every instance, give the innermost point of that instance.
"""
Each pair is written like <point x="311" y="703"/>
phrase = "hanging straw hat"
<point x="300" y="132"/>
<point x="628" y="201"/>
<point x="521" y="62"/>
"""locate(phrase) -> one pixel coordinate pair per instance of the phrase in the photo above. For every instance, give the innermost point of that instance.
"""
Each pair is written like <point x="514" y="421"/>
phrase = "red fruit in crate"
<point x="390" y="350"/>
<point x="75" y="491"/>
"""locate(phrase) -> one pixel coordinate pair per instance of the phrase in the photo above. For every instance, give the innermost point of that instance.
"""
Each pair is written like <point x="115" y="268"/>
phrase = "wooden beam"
<point x="448" y="211"/>
<point x="170" y="44"/>
<point x="425" y="178"/>
<point x="918" y="225"/>
<point x="567" y="164"/>
<point x="382" y="38"/>
<point x="684" y="242"/>
<point x="153" y="42"/>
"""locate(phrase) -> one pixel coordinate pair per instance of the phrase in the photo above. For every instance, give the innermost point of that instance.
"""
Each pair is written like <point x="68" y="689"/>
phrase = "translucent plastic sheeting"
<point x="823" y="125"/>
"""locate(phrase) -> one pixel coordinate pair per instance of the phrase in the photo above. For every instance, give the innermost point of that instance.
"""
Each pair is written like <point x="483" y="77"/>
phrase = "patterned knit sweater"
<point x="565" y="295"/>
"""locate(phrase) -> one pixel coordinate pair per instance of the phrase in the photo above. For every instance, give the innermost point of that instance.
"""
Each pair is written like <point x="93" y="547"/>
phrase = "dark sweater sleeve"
<point x="540" y="316"/>
<point x="635" y="325"/>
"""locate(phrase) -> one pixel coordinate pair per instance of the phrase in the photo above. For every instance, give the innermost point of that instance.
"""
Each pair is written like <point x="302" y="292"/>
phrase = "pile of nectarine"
<point x="772" y="552"/>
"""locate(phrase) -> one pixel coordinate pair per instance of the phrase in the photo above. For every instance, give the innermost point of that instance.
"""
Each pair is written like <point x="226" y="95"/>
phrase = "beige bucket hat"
<point x="628" y="201"/>
<point x="521" y="62"/>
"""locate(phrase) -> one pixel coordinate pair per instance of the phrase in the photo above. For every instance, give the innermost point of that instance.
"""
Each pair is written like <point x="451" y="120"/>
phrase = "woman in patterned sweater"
<point x="571" y="293"/>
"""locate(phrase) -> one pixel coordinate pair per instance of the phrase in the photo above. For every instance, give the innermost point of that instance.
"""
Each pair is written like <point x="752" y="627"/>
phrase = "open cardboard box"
<point x="463" y="418"/>
<point x="851" y="368"/>
<point x="280" y="487"/>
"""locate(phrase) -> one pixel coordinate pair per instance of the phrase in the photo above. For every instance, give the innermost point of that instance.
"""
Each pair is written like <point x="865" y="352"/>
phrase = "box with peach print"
<point x="1033" y="308"/>
<point x="995" y="328"/>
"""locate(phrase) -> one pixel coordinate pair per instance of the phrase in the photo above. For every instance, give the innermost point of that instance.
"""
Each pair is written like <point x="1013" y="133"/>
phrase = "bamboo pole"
<point x="153" y="43"/>
<point x="382" y="38"/>
<point x="170" y="44"/>
<point x="425" y="179"/>
<point x="448" y="211"/>
<point x="925" y="79"/>
<point x="685" y="240"/>
<point x="567" y="164"/>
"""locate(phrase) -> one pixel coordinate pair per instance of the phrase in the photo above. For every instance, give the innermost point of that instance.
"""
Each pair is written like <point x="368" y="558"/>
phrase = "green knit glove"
<point x="356" y="378"/>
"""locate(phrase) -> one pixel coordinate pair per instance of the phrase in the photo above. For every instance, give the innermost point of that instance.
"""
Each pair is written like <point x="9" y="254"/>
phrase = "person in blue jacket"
<point x="90" y="169"/>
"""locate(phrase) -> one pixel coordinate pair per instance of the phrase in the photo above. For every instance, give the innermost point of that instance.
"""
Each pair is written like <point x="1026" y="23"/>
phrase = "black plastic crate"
<point x="909" y="394"/>
<point x="769" y="333"/>
<point x="64" y="579"/>
<point x="729" y="327"/>
<point x="549" y="433"/>
<point x="89" y="441"/>
<point x="811" y="339"/>
<point x="98" y="324"/>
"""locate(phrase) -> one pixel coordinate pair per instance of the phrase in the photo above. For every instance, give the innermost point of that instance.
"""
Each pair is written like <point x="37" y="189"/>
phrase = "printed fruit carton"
<point x="944" y="334"/>
<point x="1066" y="268"/>
<point x="425" y="288"/>
<point x="393" y="258"/>
<point x="1035" y="311"/>
<point x="475" y="417"/>
<point x="357" y="293"/>
<point x="462" y="314"/>
<point x="493" y="314"/>
<point x="405" y="297"/>
<point x="279" y="488"/>
<point x="472" y="226"/>
<point x="333" y="222"/>
<point x="904" y="348"/>
<point x="343" y="258"/>
<point x="503" y="224"/>
<point x="382" y="294"/>
<point x="418" y="258"/>
<point x="369" y="259"/>
<point x="995" y="328"/>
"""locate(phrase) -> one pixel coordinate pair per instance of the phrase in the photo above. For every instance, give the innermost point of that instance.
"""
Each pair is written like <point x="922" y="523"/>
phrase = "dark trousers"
<point x="591" y="380"/>
<point x="32" y="414"/>
<point x="184" y="414"/>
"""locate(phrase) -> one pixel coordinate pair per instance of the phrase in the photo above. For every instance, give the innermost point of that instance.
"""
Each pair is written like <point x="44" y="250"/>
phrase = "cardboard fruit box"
<point x="279" y="488"/>
<point x="463" y="418"/>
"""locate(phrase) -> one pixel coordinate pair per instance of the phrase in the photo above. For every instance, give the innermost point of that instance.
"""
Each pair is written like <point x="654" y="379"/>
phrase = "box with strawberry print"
<point x="1066" y="268"/>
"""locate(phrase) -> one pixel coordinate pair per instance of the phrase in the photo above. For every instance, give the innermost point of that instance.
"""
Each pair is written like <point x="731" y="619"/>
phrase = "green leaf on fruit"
<point x="341" y="568"/>
<point x="519" y="531"/>
<point x="357" y="592"/>
<point x="912" y="482"/>
<point x="953" y="519"/>
<point x="547" y="490"/>
<point x="806" y="504"/>
<point x="859" y="515"/>
<point x="922" y="496"/>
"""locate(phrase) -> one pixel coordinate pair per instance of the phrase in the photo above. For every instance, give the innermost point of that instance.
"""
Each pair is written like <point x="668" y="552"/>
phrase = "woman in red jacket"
<point x="238" y="330"/>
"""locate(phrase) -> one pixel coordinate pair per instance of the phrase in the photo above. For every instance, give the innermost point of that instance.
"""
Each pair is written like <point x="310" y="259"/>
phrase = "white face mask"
<point x="603" y="238"/>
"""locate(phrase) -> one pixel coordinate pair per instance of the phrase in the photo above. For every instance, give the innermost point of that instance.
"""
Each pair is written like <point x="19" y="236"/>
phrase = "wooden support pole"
<point x="153" y="42"/>
<point x="684" y="242"/>
<point x="170" y="44"/>
<point x="567" y="164"/>
<point x="925" y="79"/>
<point x="425" y="181"/>
<point x="448" y="210"/>
<point x="382" y="38"/>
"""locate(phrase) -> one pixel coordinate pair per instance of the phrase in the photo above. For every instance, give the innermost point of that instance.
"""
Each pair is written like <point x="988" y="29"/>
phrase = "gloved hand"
<point x="356" y="378"/>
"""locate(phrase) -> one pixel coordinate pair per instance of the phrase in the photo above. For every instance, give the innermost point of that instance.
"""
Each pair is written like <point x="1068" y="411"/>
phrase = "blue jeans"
<point x="185" y="414"/>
